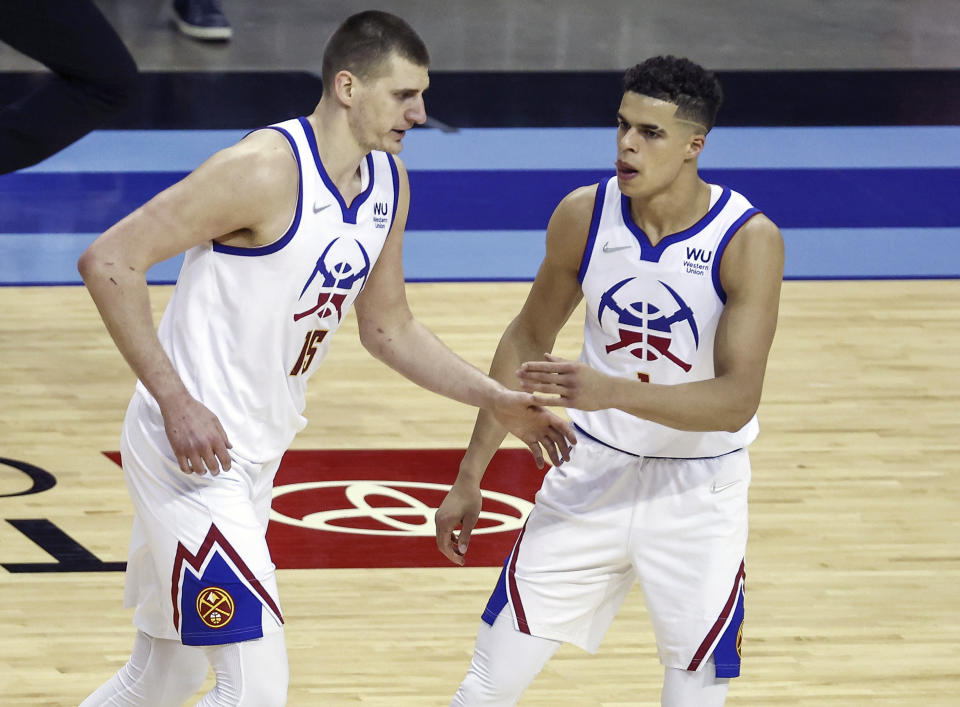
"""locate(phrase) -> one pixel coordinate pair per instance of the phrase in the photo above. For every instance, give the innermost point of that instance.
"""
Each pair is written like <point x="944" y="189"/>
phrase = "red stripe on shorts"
<point x="720" y="622"/>
<point x="514" y="590"/>
<point x="196" y="561"/>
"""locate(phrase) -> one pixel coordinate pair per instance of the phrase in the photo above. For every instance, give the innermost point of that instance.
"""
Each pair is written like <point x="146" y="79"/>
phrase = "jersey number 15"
<point x="309" y="350"/>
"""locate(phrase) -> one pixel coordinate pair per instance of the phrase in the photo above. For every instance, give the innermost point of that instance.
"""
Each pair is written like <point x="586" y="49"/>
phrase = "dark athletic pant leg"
<point x="94" y="77"/>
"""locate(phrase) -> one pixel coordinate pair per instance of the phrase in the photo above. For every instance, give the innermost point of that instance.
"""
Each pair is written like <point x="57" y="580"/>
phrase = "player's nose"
<point x="627" y="142"/>
<point x="417" y="113"/>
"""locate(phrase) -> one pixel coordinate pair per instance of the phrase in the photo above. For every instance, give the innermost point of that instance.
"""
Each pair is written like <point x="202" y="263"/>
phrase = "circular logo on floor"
<point x="390" y="508"/>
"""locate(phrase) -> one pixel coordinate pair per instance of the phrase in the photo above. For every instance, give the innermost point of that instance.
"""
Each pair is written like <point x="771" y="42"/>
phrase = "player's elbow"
<point x="375" y="338"/>
<point x="87" y="263"/>
<point x="735" y="422"/>
<point x="740" y="412"/>
<point x="100" y="261"/>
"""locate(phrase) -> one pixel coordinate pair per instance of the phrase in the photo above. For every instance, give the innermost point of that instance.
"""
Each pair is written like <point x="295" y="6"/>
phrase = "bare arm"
<point x="389" y="331"/>
<point x="241" y="195"/>
<point x="751" y="272"/>
<point x="552" y="298"/>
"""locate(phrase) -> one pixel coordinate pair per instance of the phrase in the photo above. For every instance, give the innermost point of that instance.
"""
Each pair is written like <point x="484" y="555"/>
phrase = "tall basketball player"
<point x="682" y="282"/>
<point x="283" y="233"/>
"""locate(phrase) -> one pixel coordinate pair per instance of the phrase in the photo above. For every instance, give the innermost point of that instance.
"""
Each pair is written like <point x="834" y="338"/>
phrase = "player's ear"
<point x="695" y="146"/>
<point x="345" y="85"/>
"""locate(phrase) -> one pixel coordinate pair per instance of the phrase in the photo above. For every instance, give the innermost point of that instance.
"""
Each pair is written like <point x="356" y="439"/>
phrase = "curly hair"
<point x="695" y="91"/>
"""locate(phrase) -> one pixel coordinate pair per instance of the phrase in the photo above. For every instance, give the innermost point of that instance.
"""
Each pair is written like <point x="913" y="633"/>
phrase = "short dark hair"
<point x="695" y="91"/>
<point x="365" y="40"/>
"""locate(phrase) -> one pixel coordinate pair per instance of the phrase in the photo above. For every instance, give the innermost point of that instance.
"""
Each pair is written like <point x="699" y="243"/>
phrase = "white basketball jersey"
<point x="246" y="327"/>
<point x="652" y="313"/>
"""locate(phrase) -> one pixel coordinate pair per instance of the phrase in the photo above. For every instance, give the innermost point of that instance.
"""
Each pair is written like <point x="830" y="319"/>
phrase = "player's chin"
<point x="394" y="142"/>
<point x="631" y="186"/>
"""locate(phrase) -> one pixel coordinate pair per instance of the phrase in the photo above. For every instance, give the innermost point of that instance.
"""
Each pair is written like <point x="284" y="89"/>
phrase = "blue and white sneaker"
<point x="201" y="19"/>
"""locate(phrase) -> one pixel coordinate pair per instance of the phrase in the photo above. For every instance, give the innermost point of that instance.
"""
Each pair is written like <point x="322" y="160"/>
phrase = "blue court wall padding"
<point x="445" y="256"/>
<point x="793" y="198"/>
<point x="523" y="199"/>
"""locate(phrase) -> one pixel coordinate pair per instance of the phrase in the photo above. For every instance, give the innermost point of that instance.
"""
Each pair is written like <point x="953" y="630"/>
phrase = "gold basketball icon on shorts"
<point x="215" y="607"/>
<point x="740" y="639"/>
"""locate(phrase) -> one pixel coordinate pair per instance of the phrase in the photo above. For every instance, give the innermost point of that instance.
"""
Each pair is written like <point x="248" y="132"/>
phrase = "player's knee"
<point x="266" y="695"/>
<point x="491" y="684"/>
<point x="246" y="693"/>
<point x="249" y="674"/>
<point x="266" y="688"/>
<point x="121" y="91"/>
<point x="687" y="688"/>
<point x="110" y="92"/>
<point x="476" y="692"/>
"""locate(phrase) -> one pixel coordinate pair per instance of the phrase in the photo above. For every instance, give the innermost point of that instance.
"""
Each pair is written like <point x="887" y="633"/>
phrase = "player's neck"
<point x="339" y="152"/>
<point x="672" y="210"/>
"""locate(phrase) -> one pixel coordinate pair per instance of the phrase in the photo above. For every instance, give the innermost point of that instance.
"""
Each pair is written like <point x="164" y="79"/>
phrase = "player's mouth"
<point x="625" y="171"/>
<point x="398" y="133"/>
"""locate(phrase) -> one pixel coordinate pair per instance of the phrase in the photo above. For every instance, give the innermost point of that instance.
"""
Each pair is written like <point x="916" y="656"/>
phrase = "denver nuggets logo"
<point x="215" y="607"/>
<point x="341" y="266"/>
<point x="740" y="640"/>
<point x="644" y="329"/>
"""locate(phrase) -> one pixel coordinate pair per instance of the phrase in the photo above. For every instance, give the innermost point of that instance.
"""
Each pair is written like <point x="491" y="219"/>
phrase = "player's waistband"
<point x="586" y="434"/>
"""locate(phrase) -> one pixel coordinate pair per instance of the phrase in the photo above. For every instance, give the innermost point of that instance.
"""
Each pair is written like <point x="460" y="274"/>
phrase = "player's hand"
<point x="538" y="428"/>
<point x="557" y="381"/>
<point x="460" y="508"/>
<point x="196" y="436"/>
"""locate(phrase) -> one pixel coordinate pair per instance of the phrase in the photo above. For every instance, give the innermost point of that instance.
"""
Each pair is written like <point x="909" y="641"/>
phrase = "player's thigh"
<point x="689" y="551"/>
<point x="205" y="537"/>
<point x="570" y="569"/>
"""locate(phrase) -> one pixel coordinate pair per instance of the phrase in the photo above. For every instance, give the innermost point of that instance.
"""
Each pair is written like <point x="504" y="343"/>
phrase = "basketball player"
<point x="681" y="280"/>
<point x="283" y="233"/>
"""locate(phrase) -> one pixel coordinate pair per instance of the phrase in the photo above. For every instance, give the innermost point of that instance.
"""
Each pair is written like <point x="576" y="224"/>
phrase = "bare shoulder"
<point x="760" y="230"/>
<point x="576" y="208"/>
<point x="570" y="224"/>
<point x="243" y="195"/>
<point x="263" y="159"/>
<point x="755" y="255"/>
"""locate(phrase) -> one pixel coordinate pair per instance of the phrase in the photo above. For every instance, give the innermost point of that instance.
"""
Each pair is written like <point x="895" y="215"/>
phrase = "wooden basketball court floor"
<point x="853" y="561"/>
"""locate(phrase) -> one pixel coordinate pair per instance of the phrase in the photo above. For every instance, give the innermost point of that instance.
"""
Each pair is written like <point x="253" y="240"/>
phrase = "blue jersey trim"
<point x="726" y="654"/>
<point x="395" y="175"/>
<point x="286" y="237"/>
<point x="498" y="599"/>
<point x="652" y="253"/>
<point x="349" y="212"/>
<point x="586" y="434"/>
<point x="644" y="456"/>
<point x="722" y="246"/>
<point x="594" y="227"/>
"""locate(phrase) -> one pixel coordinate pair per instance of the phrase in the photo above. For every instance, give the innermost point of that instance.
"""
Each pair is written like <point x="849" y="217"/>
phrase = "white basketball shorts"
<point x="199" y="569"/>
<point x="606" y="519"/>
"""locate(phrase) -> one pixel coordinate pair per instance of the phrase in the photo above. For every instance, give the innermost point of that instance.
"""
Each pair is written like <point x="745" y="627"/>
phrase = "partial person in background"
<point x="202" y="19"/>
<point x="682" y="284"/>
<point x="283" y="232"/>
<point x="94" y="77"/>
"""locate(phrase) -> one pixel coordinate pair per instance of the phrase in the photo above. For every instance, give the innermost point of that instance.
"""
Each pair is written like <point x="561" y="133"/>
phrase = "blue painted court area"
<point x="881" y="202"/>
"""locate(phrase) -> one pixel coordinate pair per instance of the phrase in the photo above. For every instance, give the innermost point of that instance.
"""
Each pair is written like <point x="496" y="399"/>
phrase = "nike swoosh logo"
<point x="318" y="209"/>
<point x="718" y="486"/>
<point x="608" y="249"/>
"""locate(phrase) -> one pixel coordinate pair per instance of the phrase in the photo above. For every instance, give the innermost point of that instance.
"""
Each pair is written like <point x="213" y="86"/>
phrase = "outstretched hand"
<point x="542" y="431"/>
<point x="557" y="381"/>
